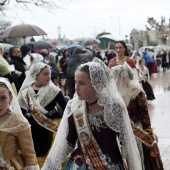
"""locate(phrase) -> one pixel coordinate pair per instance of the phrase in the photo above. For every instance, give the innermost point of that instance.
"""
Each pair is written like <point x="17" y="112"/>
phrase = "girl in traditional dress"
<point x="91" y="123"/>
<point x="38" y="98"/>
<point x="144" y="80"/>
<point x="136" y="102"/>
<point x="16" y="145"/>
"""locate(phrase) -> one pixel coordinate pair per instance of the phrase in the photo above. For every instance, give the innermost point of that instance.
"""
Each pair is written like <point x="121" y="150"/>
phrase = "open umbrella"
<point x="7" y="47"/>
<point x="43" y="45"/>
<point x="129" y="46"/>
<point x="23" y="30"/>
<point x="91" y="41"/>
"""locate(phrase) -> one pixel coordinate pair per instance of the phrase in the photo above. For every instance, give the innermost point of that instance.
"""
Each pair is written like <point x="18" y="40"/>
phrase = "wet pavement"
<point x="159" y="110"/>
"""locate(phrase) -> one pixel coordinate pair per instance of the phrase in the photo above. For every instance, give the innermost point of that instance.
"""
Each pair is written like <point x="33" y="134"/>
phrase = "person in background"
<point x="38" y="97"/>
<point x="52" y="64"/>
<point x="58" y="57"/>
<point x="32" y="47"/>
<point x="64" y="61"/>
<point x="25" y="49"/>
<point x="110" y="54"/>
<point x="91" y="123"/>
<point x="6" y="72"/>
<point x="149" y="61"/>
<point x="122" y="56"/>
<point x="78" y="57"/>
<point x="144" y="80"/>
<point x="17" y="61"/>
<point x="44" y="53"/>
<point x="168" y="59"/>
<point x="164" y="59"/>
<point x="57" y="80"/>
<point x="63" y="64"/>
<point x="98" y="54"/>
<point x="136" y="103"/>
<point x="6" y="54"/>
<point x="16" y="144"/>
<point x="136" y="57"/>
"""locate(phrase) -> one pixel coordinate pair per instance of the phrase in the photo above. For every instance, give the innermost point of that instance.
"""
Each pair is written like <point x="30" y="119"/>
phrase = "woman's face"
<point x="83" y="87"/>
<point x="44" y="77"/>
<point x="119" y="48"/>
<point x="66" y="53"/>
<point x="5" y="100"/>
<point x="143" y="63"/>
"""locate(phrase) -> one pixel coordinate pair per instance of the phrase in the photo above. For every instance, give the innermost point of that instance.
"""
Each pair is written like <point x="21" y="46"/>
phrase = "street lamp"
<point x="119" y="24"/>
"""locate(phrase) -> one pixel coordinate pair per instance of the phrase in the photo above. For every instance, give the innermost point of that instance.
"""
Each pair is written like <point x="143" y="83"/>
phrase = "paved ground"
<point x="159" y="110"/>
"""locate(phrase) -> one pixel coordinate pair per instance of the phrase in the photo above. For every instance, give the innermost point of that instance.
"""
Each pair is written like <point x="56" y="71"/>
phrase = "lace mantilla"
<point x="96" y="120"/>
<point x="15" y="123"/>
<point x="126" y="81"/>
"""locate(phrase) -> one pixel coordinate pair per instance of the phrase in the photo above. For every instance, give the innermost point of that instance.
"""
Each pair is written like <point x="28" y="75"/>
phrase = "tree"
<point x="47" y="4"/>
<point x="35" y="2"/>
<point x="4" y="25"/>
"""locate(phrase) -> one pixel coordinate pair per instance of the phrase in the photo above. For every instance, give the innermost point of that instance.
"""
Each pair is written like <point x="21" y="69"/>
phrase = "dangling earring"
<point x="9" y="109"/>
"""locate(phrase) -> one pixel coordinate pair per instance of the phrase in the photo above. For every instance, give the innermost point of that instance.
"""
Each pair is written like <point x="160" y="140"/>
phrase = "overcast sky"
<point x="87" y="18"/>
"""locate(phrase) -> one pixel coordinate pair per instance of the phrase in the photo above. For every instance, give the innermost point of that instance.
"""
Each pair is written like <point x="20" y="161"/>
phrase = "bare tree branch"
<point x="4" y="25"/>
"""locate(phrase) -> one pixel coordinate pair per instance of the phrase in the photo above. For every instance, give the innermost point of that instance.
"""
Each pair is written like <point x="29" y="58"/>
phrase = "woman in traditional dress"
<point x="136" y="102"/>
<point x="16" y="144"/>
<point x="94" y="119"/>
<point x="144" y="80"/>
<point x="38" y="98"/>
<point x="121" y="55"/>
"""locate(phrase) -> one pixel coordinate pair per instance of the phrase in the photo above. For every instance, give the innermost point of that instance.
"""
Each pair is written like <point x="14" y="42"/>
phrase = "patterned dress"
<point x="138" y="112"/>
<point x="103" y="135"/>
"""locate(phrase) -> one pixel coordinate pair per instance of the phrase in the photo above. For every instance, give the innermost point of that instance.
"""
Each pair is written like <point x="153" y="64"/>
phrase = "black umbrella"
<point x="43" y="45"/>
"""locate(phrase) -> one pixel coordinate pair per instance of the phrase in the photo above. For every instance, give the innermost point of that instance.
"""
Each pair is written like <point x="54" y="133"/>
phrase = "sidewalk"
<point x="159" y="111"/>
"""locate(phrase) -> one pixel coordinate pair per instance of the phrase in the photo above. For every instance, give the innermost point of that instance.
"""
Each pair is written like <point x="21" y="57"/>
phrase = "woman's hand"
<point x="18" y="73"/>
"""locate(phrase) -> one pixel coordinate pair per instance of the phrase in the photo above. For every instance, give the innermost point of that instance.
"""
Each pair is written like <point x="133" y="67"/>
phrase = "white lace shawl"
<point x="115" y="116"/>
<point x="144" y="73"/>
<point x="46" y="93"/>
<point x="126" y="82"/>
<point x="44" y="96"/>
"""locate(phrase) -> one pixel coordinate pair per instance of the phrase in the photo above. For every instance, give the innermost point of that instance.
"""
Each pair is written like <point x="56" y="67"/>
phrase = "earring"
<point x="9" y="109"/>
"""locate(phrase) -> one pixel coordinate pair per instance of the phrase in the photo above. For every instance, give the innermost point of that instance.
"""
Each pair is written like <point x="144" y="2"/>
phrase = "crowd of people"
<point x="78" y="110"/>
